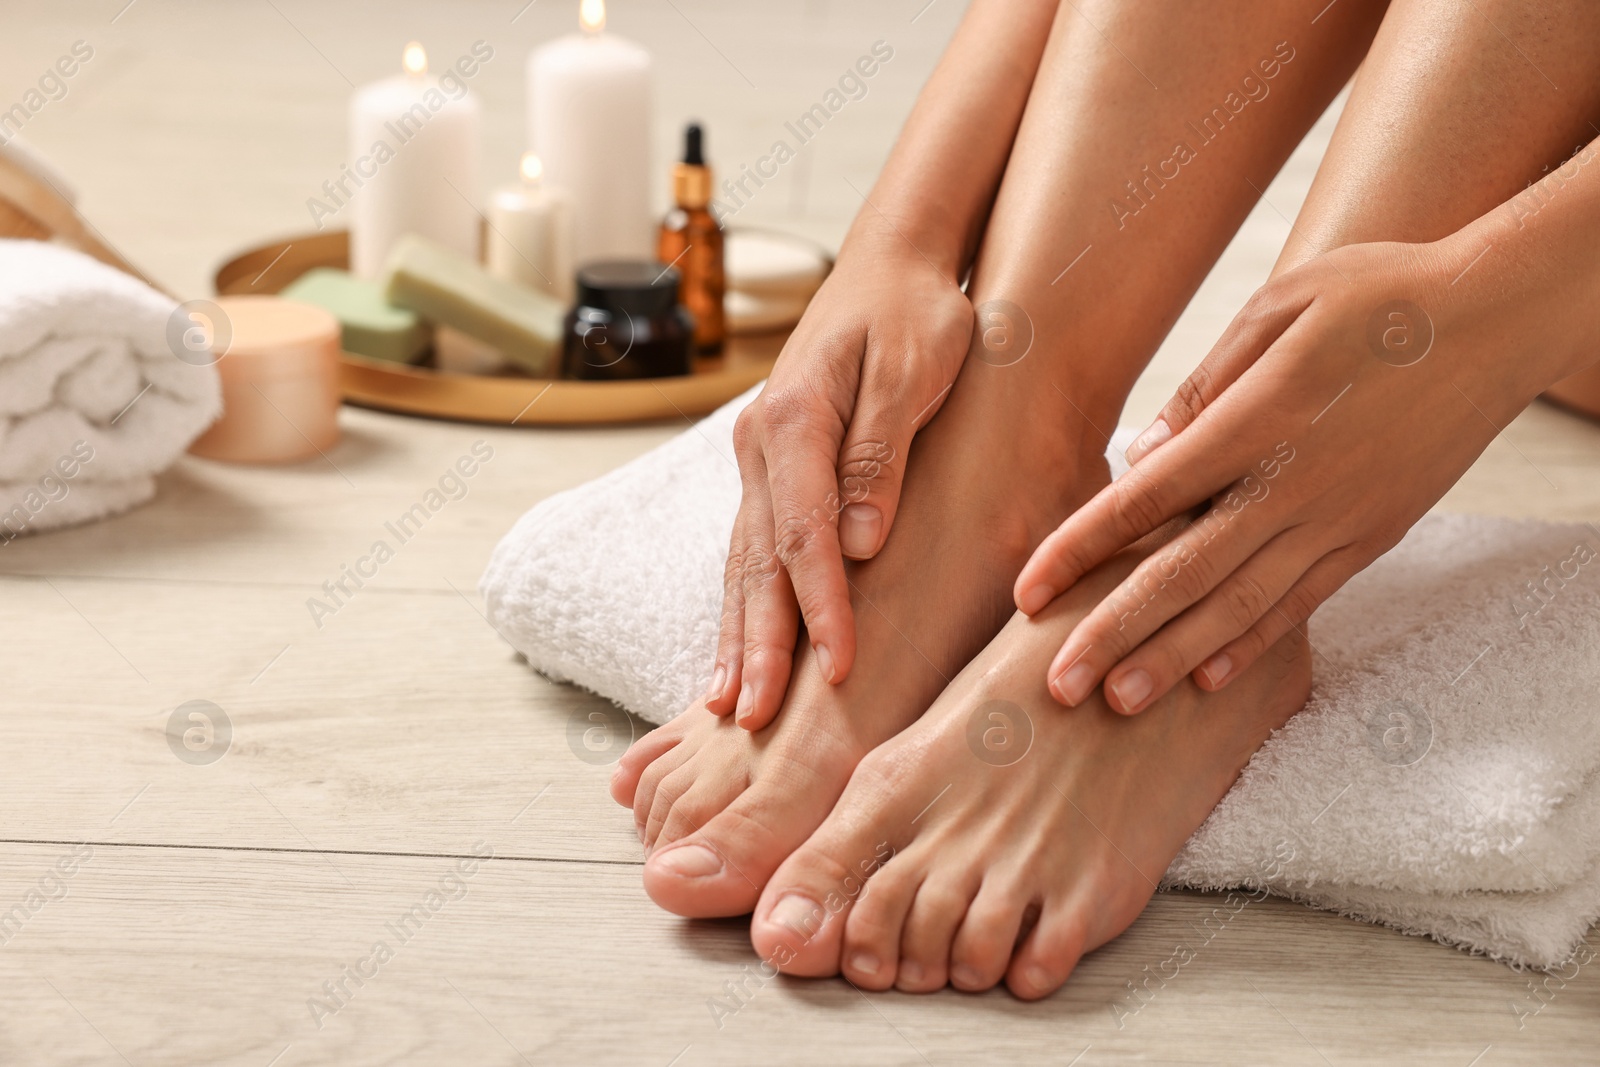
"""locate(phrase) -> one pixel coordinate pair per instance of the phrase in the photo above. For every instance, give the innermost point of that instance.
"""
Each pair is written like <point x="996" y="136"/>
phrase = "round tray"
<point x="503" y="399"/>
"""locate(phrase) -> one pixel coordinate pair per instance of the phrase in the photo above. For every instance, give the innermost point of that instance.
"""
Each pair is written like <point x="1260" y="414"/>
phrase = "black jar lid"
<point x="636" y="286"/>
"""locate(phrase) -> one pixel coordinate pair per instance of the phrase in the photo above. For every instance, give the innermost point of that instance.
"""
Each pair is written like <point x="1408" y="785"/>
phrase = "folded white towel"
<point x="93" y="402"/>
<point x="1437" y="780"/>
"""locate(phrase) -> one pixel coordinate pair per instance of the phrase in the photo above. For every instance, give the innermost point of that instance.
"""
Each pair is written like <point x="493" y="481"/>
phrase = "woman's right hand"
<point x="821" y="453"/>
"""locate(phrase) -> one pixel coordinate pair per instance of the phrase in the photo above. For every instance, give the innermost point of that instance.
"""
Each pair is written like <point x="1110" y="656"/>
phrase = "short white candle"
<point x="421" y="145"/>
<point x="530" y="233"/>
<point x="589" y="122"/>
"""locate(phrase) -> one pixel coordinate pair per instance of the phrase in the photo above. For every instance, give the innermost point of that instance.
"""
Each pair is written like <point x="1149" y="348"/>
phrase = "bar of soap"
<point x="368" y="324"/>
<point x="773" y="265"/>
<point x="456" y="353"/>
<point x="446" y="288"/>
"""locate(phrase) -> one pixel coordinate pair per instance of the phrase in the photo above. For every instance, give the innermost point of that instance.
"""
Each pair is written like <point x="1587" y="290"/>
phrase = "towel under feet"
<point x="1438" y="780"/>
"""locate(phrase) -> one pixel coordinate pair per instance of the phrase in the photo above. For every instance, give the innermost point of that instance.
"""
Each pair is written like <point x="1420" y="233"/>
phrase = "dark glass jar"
<point x="627" y="324"/>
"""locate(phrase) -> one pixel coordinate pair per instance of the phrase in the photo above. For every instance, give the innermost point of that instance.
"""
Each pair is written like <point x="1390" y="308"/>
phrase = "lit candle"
<point x="589" y="121"/>
<point x="530" y="233"/>
<point x="415" y="153"/>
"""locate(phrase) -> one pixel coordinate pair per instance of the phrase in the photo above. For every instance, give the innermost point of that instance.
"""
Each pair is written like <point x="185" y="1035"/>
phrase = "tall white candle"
<point x="589" y="121"/>
<point x="416" y="147"/>
<point x="530" y="233"/>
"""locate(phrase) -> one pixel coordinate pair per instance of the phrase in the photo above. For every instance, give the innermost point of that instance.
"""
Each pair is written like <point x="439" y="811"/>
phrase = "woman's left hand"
<point x="1341" y="403"/>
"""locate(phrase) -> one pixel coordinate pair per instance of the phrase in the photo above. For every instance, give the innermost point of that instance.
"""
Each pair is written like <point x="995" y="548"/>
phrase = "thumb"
<point x="1264" y="317"/>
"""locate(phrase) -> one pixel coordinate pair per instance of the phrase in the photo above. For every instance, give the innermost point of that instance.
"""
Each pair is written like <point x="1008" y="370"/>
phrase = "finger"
<point x="722" y="694"/>
<point x="801" y="481"/>
<point x="1164" y="584"/>
<point x="1190" y="472"/>
<point x="1238" y="603"/>
<point x="1270" y="311"/>
<point x="872" y="459"/>
<point x="771" y="615"/>
<point x="1292" y="611"/>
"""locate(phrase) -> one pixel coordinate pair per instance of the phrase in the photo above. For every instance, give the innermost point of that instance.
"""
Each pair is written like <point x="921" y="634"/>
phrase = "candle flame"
<point x="415" y="59"/>
<point x="592" y="15"/>
<point x="532" y="169"/>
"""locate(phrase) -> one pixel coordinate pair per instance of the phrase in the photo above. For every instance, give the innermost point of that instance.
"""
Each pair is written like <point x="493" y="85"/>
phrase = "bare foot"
<point x="1002" y="835"/>
<point x="719" y="807"/>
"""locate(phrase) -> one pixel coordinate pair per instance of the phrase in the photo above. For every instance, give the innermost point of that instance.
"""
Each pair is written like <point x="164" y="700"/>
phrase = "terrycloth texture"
<point x="1443" y="778"/>
<point x="86" y="371"/>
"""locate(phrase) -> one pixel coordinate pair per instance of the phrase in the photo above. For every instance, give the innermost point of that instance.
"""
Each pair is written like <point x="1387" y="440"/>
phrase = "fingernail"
<point x="1157" y="433"/>
<point x="860" y="526"/>
<point x="797" y="913"/>
<point x="1037" y="977"/>
<point x="639" y="826"/>
<point x="825" y="662"/>
<point x="1132" y="688"/>
<point x="719" y="682"/>
<point x="1073" y="684"/>
<point x="1217" y="668"/>
<point x="747" y="702"/>
<point x="1034" y="598"/>
<point x="864" y="963"/>
<point x="691" y="861"/>
<point x="911" y="973"/>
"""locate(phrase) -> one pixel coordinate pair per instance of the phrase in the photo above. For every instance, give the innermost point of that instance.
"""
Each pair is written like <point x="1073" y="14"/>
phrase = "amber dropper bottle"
<point x="691" y="241"/>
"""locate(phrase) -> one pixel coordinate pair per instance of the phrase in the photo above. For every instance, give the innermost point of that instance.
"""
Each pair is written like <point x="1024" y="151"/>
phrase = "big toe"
<point x="800" y="921"/>
<point x="720" y="869"/>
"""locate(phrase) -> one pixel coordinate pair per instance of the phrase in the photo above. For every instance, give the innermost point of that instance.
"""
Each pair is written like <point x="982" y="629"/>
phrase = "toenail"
<point x="1035" y="598"/>
<point x="864" y="963"/>
<point x="962" y="976"/>
<point x="911" y="973"/>
<point x="691" y="861"/>
<point x="1037" y="977"/>
<point x="859" y="528"/>
<point x="719" y="682"/>
<point x="825" y="662"/>
<point x="798" y="913"/>
<point x="1073" y="686"/>
<point x="1217" y="668"/>
<point x="1132" y="689"/>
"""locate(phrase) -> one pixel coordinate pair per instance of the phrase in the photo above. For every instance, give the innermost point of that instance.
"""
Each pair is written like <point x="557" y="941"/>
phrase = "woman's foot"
<point x="719" y="807"/>
<point x="1002" y="835"/>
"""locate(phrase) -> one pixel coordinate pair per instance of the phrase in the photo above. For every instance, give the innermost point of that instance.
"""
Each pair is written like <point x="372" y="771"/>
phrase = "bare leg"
<point x="977" y="867"/>
<point x="1146" y="127"/>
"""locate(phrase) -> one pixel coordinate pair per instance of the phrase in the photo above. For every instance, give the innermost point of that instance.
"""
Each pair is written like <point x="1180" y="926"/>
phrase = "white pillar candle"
<point x="530" y="234"/>
<point x="417" y="146"/>
<point x="589" y="122"/>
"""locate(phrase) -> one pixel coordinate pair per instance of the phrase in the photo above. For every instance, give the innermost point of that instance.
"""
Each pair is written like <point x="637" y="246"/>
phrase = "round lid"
<point x="638" y="287"/>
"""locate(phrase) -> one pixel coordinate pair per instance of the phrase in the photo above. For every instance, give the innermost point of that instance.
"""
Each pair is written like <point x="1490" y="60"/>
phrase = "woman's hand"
<point x="821" y="453"/>
<point x="1341" y="403"/>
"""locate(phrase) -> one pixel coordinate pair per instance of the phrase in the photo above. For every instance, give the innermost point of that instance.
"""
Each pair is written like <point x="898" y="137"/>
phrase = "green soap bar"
<point x="447" y="288"/>
<point x="370" y="325"/>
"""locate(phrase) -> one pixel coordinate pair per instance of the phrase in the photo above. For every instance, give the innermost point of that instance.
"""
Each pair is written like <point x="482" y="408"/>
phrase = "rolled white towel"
<point x="93" y="401"/>
<point x="1489" y="833"/>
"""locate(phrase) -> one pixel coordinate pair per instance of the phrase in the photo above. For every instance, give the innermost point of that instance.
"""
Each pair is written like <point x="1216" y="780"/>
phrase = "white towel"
<point x="93" y="402"/>
<point x="1487" y="837"/>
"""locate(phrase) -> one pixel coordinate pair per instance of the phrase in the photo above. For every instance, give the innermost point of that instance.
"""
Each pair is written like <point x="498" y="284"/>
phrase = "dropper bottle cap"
<point x="691" y="179"/>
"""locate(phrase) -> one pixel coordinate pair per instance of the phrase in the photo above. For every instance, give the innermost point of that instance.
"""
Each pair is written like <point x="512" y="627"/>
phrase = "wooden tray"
<point x="502" y="399"/>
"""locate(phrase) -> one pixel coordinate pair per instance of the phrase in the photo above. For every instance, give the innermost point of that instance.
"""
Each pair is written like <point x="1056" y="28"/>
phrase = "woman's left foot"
<point x="1002" y="835"/>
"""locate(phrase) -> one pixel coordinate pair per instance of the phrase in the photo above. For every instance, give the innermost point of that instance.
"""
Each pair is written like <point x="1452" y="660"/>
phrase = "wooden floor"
<point x="372" y="757"/>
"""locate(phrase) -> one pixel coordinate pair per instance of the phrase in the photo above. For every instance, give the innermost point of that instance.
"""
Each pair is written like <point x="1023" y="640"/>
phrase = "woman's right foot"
<point x="718" y="807"/>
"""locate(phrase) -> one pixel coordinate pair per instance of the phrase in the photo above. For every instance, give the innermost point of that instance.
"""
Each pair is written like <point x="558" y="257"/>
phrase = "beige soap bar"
<point x="448" y="289"/>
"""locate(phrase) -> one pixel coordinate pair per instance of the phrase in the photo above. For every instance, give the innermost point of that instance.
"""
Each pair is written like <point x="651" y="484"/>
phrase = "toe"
<point x="642" y="753"/>
<point x="668" y="792"/>
<point x="988" y="934"/>
<point x="697" y="805"/>
<point x="1048" y="954"/>
<point x="936" y="912"/>
<point x="661" y="768"/>
<point x="873" y="929"/>
<point x="751" y="837"/>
